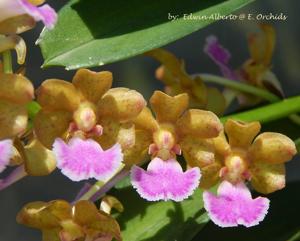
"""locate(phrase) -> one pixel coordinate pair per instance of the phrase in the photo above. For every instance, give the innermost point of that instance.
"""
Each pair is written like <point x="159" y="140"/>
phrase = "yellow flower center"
<point x="85" y="117"/>
<point x="236" y="166"/>
<point x="165" y="142"/>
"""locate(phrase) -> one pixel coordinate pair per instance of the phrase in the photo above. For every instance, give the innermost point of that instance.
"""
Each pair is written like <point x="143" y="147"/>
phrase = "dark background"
<point x="138" y="73"/>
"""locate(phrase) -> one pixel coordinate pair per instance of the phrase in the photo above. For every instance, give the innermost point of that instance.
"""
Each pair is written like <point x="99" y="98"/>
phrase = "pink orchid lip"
<point x="6" y="152"/>
<point x="13" y="8"/>
<point x="234" y="206"/>
<point x="84" y="159"/>
<point x="165" y="180"/>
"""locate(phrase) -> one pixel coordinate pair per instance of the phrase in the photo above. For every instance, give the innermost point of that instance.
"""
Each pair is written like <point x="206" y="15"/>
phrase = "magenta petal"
<point x="234" y="205"/>
<point x="165" y="180"/>
<point x="44" y="13"/>
<point x="6" y="152"/>
<point x="84" y="159"/>
<point x="220" y="56"/>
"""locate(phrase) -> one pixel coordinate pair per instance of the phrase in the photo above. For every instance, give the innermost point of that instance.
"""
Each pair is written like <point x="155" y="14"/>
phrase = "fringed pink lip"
<point x="6" y="152"/>
<point x="234" y="206"/>
<point x="84" y="159"/>
<point x="165" y="180"/>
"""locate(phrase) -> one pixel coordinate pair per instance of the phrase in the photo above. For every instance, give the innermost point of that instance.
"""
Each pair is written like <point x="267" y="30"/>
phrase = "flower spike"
<point x="84" y="159"/>
<point x="234" y="206"/>
<point x="165" y="180"/>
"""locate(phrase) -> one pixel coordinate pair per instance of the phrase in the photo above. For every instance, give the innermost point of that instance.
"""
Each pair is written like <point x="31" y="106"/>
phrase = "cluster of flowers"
<point x="89" y="130"/>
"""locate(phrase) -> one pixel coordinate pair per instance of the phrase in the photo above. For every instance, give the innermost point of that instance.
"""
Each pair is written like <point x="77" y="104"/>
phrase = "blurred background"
<point x="138" y="73"/>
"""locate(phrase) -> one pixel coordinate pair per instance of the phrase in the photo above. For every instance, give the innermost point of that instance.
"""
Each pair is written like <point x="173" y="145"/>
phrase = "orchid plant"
<point x="178" y="145"/>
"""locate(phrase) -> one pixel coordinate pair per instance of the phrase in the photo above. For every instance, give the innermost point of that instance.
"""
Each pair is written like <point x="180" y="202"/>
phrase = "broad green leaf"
<point x="160" y="221"/>
<point x="92" y="33"/>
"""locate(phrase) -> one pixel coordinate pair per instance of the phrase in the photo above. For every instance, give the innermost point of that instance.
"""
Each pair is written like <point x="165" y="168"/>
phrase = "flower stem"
<point x="209" y="78"/>
<point x="270" y="112"/>
<point x="91" y="192"/>
<point x="295" y="237"/>
<point x="16" y="175"/>
<point x="99" y="189"/>
<point x="109" y="185"/>
<point x="7" y="62"/>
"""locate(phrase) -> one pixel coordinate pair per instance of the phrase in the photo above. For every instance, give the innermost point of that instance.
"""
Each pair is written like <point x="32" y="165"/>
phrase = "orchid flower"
<point x="174" y="130"/>
<point x="15" y="92"/>
<point x="62" y="221"/>
<point x="239" y="160"/>
<point x="75" y="120"/>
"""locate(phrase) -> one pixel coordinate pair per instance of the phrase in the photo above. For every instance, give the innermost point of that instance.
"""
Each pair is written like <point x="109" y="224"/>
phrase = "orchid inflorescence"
<point x="88" y="129"/>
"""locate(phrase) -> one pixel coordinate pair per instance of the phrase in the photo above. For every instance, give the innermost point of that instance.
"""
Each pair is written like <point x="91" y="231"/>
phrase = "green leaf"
<point x="160" y="221"/>
<point x="126" y="182"/>
<point x="92" y="33"/>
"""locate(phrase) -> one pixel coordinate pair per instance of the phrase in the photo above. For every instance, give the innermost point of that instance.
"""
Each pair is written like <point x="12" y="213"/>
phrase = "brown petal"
<point x="197" y="152"/>
<point x="43" y="215"/>
<point x="16" y="25"/>
<point x="134" y="143"/>
<point x="272" y="148"/>
<point x="146" y="121"/>
<point x="198" y="92"/>
<point x="13" y="119"/>
<point x="210" y="175"/>
<point x="241" y="134"/>
<point x="137" y="153"/>
<point x="39" y="160"/>
<point x="168" y="108"/>
<point x="261" y="45"/>
<point x="110" y="133"/>
<point x="71" y="231"/>
<point x="267" y="178"/>
<point x="50" y="125"/>
<point x="121" y="103"/>
<point x="92" y="85"/>
<point x="14" y="42"/>
<point x="165" y="75"/>
<point x="95" y="222"/>
<point x="16" y="88"/>
<point x="172" y="64"/>
<point x="215" y="101"/>
<point x="56" y="94"/>
<point x="109" y="202"/>
<point x="51" y="234"/>
<point x="200" y="123"/>
<point x="221" y="145"/>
